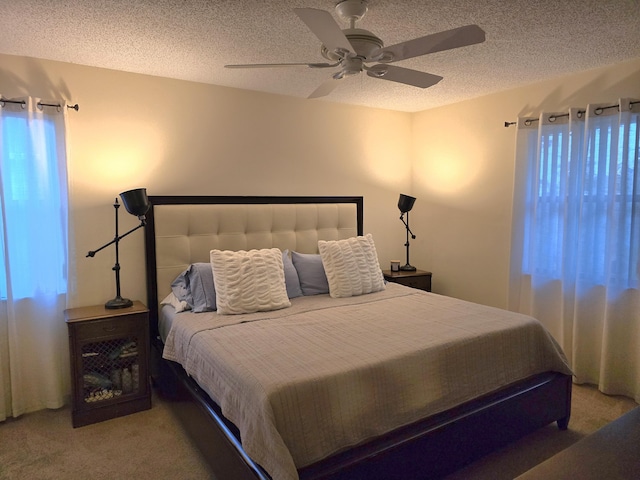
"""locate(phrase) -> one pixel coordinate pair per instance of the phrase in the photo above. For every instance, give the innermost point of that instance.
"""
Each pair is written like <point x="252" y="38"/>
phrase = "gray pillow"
<point x="195" y="286"/>
<point x="313" y="280"/>
<point x="291" y="276"/>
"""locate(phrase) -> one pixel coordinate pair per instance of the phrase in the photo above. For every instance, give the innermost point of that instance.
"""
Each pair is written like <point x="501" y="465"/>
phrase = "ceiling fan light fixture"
<point x="346" y="72"/>
<point x="350" y="66"/>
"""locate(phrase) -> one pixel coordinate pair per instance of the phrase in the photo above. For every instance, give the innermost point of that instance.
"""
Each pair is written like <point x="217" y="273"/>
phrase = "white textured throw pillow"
<point x="351" y="266"/>
<point x="249" y="281"/>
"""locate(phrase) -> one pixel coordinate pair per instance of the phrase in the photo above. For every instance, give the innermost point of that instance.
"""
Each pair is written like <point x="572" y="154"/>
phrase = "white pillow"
<point x="249" y="281"/>
<point x="351" y="266"/>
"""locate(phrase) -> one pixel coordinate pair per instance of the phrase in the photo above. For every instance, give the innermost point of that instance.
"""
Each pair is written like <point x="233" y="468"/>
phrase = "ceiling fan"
<point x="352" y="49"/>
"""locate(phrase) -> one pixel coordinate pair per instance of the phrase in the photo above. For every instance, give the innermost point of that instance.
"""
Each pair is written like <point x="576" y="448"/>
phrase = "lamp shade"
<point x="405" y="203"/>
<point x="136" y="201"/>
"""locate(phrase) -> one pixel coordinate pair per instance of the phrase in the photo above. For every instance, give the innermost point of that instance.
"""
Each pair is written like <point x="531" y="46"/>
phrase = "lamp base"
<point x="118" y="302"/>
<point x="407" y="268"/>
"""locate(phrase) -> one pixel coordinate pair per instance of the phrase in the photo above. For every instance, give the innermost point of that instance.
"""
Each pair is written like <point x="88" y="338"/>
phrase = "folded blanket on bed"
<point x="329" y="373"/>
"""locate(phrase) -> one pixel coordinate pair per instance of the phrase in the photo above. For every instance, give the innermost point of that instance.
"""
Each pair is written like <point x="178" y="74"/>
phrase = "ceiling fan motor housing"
<point x="365" y="44"/>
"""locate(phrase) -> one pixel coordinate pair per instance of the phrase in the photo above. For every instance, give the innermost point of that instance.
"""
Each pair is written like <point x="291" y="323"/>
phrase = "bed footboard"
<point x="446" y="442"/>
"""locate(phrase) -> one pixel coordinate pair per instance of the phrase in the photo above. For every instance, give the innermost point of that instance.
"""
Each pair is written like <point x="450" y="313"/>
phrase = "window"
<point x="582" y="218"/>
<point x="33" y="200"/>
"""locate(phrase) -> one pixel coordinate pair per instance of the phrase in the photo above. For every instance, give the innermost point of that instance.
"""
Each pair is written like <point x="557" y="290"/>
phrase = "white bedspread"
<point x="326" y="374"/>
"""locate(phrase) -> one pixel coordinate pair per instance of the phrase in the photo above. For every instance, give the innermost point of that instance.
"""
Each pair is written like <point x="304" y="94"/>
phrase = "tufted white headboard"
<point x="182" y="230"/>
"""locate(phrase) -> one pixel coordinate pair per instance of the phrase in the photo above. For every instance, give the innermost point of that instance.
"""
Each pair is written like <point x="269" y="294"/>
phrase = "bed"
<point x="268" y="394"/>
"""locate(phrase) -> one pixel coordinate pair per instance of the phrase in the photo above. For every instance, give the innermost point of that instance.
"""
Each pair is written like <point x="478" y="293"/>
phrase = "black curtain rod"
<point x="553" y="118"/>
<point x="75" y="107"/>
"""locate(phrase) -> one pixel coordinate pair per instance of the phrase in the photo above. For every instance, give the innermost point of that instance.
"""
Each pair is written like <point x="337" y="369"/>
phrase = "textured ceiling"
<point x="526" y="42"/>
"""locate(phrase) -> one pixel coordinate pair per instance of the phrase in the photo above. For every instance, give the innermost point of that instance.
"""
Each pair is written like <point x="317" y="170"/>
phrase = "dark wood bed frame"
<point x="430" y="448"/>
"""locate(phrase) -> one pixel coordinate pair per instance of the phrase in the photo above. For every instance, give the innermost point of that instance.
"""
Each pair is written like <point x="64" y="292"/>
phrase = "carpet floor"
<point x="152" y="444"/>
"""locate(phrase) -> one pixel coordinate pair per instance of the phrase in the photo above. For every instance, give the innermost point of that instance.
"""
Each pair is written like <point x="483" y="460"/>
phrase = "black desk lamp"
<point x="405" y="204"/>
<point x="136" y="203"/>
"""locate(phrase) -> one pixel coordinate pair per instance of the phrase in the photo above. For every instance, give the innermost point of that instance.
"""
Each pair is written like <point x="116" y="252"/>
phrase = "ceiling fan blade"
<point x="403" y="75"/>
<point x="279" y="65"/>
<point x="437" y="42"/>
<point x="325" y="88"/>
<point x="323" y="26"/>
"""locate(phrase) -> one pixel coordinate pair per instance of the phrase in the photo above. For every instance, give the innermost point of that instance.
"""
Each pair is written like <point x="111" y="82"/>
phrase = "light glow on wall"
<point x="387" y="169"/>
<point x="386" y="162"/>
<point x="449" y="167"/>
<point x="121" y="157"/>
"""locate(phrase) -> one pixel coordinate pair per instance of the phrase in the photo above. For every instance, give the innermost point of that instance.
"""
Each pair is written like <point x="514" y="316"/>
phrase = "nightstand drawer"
<point x="422" y="283"/>
<point x="419" y="279"/>
<point x="96" y="329"/>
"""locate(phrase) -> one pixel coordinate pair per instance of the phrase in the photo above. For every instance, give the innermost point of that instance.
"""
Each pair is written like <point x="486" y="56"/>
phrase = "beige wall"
<point x="176" y="137"/>
<point x="463" y="169"/>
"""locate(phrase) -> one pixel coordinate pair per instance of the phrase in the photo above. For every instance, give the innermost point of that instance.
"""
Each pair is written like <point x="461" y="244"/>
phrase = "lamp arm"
<point x="116" y="239"/>
<point x="407" y="225"/>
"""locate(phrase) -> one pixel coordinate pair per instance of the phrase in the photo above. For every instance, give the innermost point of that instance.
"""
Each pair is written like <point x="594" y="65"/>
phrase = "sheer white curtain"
<point x="34" y="365"/>
<point x="575" y="261"/>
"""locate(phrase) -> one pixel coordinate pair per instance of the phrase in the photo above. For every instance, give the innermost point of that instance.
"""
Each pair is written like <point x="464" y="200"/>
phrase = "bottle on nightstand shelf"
<point x="127" y="381"/>
<point x="135" y="377"/>
<point x="116" y="378"/>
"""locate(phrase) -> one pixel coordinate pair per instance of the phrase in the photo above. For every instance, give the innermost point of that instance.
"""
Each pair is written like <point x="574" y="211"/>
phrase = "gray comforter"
<point x="326" y="374"/>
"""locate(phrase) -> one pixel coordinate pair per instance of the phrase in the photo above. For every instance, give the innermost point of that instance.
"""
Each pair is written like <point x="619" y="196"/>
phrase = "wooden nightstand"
<point x="109" y="353"/>
<point x="418" y="279"/>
